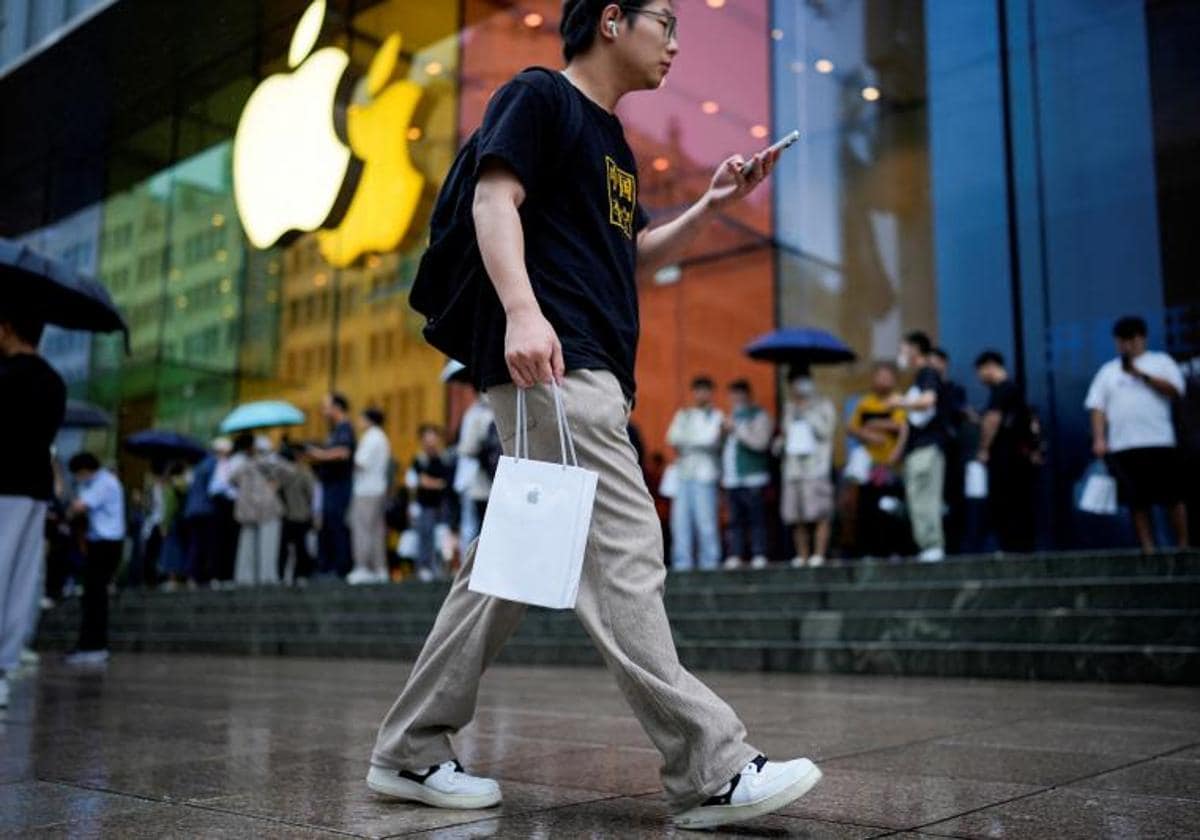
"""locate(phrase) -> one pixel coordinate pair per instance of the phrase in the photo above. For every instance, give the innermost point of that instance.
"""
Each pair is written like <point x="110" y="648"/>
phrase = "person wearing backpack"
<point x="1004" y="448"/>
<point x="556" y="220"/>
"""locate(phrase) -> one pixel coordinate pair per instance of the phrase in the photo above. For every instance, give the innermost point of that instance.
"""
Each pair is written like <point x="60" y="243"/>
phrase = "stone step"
<point x="1180" y="627"/>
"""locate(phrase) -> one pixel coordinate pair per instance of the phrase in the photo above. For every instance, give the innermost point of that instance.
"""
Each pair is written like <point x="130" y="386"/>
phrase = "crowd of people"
<point x="924" y="473"/>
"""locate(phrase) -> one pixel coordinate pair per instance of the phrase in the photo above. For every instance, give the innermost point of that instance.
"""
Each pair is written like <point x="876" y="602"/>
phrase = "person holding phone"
<point x="1132" y="429"/>
<point x="561" y="235"/>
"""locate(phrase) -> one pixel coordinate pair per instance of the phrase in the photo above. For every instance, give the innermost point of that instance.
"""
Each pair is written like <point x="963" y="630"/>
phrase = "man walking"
<point x="1130" y="404"/>
<point x="27" y="430"/>
<point x="560" y="246"/>
<point x="925" y="461"/>
<point x="1005" y="447"/>
<point x="695" y="432"/>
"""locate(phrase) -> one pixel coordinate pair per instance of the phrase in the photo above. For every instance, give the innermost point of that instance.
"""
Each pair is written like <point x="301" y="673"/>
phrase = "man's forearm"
<point x="1099" y="427"/>
<point x="502" y="246"/>
<point x="988" y="430"/>
<point x="666" y="244"/>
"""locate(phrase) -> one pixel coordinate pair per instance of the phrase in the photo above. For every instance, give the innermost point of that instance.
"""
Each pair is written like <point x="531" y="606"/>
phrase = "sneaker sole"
<point x="411" y="791"/>
<point x="716" y="815"/>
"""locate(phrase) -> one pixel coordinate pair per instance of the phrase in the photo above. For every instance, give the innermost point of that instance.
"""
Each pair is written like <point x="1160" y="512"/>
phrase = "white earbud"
<point x="612" y="27"/>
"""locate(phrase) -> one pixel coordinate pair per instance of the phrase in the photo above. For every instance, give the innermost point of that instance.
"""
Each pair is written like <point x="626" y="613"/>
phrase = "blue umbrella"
<point x="165" y="445"/>
<point x="262" y="415"/>
<point x="55" y="292"/>
<point x="800" y="346"/>
<point x="84" y="415"/>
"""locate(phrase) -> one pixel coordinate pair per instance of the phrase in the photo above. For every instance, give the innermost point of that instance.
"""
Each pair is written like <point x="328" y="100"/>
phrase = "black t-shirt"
<point x="581" y="218"/>
<point x="434" y="468"/>
<point x="934" y="432"/>
<point x="1006" y="399"/>
<point x="338" y="471"/>
<point x="38" y="398"/>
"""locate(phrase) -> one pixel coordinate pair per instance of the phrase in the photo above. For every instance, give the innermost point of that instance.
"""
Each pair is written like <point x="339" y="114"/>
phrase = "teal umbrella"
<point x="264" y="414"/>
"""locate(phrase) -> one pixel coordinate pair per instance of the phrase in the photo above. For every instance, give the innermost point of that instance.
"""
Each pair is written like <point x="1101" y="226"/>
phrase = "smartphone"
<point x="777" y="146"/>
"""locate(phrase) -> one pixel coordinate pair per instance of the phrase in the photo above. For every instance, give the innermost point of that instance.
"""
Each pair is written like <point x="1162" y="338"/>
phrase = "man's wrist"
<point x="522" y="307"/>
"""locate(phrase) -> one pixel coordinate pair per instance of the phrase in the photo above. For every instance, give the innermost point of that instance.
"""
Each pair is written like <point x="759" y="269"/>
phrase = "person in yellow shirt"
<point x="882" y="431"/>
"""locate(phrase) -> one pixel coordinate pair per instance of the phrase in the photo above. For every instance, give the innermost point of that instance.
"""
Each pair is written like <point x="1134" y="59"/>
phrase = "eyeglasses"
<point x="669" y="21"/>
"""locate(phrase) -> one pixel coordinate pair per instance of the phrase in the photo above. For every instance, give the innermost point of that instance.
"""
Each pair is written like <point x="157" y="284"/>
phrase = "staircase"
<point x="1112" y="617"/>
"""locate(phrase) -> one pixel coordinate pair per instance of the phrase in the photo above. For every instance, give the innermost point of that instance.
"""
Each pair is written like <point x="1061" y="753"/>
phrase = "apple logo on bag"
<point x="534" y="495"/>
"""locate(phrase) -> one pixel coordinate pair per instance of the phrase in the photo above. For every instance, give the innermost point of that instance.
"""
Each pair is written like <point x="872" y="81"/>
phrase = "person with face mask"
<point x="695" y="433"/>
<point x="806" y="444"/>
<point x="925" y="459"/>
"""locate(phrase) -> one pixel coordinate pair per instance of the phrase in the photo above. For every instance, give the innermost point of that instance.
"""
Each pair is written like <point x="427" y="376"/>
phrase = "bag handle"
<point x="565" y="441"/>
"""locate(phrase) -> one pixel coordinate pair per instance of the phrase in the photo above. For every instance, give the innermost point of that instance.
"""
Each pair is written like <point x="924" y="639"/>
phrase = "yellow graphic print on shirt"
<point x="622" y="197"/>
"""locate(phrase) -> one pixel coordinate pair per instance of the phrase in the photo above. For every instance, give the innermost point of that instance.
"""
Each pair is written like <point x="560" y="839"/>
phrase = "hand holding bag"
<point x="535" y="531"/>
<point x="1099" y="494"/>
<point x="976" y="481"/>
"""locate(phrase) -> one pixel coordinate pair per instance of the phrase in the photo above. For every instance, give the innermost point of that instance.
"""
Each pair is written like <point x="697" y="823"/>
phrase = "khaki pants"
<point x="620" y="605"/>
<point x="367" y="534"/>
<point x="924" y="478"/>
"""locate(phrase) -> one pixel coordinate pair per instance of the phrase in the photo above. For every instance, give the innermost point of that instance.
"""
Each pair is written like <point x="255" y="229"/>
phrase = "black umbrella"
<point x="165" y="445"/>
<point x="84" y="415"/>
<point x="55" y="292"/>
<point x="800" y="346"/>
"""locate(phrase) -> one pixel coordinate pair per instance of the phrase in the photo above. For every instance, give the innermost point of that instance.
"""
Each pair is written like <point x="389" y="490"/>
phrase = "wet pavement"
<point x="160" y="746"/>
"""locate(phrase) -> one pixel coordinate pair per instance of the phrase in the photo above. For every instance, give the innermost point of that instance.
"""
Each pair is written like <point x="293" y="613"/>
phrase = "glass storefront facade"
<point x="1008" y="174"/>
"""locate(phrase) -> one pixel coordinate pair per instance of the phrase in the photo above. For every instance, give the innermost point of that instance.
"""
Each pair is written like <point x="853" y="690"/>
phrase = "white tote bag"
<point x="976" y="481"/>
<point x="535" y="531"/>
<point x="1099" y="494"/>
<point x="858" y="465"/>
<point x="668" y="485"/>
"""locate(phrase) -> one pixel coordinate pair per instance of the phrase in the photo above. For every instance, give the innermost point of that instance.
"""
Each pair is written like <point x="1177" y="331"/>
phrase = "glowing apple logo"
<point x="389" y="189"/>
<point x="289" y="165"/>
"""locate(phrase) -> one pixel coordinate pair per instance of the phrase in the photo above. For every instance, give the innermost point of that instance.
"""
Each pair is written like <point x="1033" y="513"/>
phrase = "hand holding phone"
<point x="777" y="146"/>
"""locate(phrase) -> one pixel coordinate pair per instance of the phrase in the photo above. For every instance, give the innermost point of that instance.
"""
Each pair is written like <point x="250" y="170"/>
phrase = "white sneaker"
<point x="444" y="785"/>
<point x="816" y="561"/>
<point x="29" y="658"/>
<point x="758" y="562"/>
<point x="761" y="788"/>
<point x="83" y="658"/>
<point x="424" y="575"/>
<point x="3" y="692"/>
<point x="359" y="576"/>
<point x="797" y="562"/>
<point x="931" y="555"/>
<point x="733" y="562"/>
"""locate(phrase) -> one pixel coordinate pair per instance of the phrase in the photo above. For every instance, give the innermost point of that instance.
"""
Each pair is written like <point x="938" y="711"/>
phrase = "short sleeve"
<point x="343" y="435"/>
<point x="1097" y="395"/>
<point x="92" y="496"/>
<point x="928" y="380"/>
<point x="1169" y="370"/>
<point x="518" y="128"/>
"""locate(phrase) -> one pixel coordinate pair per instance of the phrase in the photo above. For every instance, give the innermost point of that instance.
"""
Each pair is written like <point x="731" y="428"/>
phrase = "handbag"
<point x="535" y="531"/>
<point x="975" y="485"/>
<point x="801" y="440"/>
<point x="1099" y="494"/>
<point x="858" y="465"/>
<point x="668" y="485"/>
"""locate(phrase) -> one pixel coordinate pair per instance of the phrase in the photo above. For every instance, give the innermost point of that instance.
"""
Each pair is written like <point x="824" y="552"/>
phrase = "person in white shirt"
<point x="806" y="497"/>
<point x="473" y="477"/>
<point x="372" y="463"/>
<point x="695" y="433"/>
<point x="1132" y="430"/>
<point x="101" y="498"/>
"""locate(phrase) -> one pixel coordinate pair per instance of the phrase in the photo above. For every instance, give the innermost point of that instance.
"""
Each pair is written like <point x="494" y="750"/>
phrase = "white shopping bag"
<point x="976" y="482"/>
<point x="858" y="465"/>
<point x="1099" y="494"/>
<point x="668" y="485"/>
<point x="536" y="527"/>
<point x="464" y="473"/>
<point x="800" y="438"/>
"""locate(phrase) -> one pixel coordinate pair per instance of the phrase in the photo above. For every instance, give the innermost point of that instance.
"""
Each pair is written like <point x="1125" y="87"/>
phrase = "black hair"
<point x="940" y="353"/>
<point x="919" y="340"/>
<point x="429" y="427"/>
<point x="989" y="357"/>
<point x="340" y="401"/>
<point x="1131" y="326"/>
<point x="243" y="442"/>
<point x="742" y="385"/>
<point x="374" y="415"/>
<point x="83" y="462"/>
<point x="885" y="364"/>
<point x="580" y="18"/>
<point x="28" y="327"/>
<point x="702" y="381"/>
